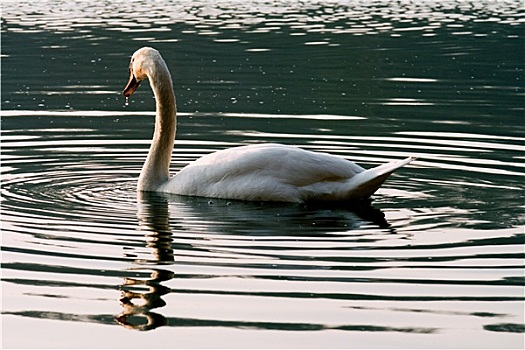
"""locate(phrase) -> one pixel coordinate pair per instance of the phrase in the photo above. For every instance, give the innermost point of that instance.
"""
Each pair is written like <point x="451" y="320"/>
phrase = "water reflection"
<point x="143" y="290"/>
<point x="133" y="313"/>
<point x="365" y="80"/>
<point x="153" y="218"/>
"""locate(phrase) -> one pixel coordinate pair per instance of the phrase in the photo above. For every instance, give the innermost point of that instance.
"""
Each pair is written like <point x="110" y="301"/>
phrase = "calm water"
<point x="435" y="261"/>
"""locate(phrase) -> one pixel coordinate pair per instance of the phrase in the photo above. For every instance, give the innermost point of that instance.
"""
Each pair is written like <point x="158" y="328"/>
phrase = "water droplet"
<point x="127" y="102"/>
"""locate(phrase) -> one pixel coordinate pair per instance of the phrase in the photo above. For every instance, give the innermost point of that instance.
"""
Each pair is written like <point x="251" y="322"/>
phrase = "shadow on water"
<point x="146" y="285"/>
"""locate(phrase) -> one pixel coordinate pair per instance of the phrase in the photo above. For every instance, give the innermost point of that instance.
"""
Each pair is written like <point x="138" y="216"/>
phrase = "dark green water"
<point x="435" y="261"/>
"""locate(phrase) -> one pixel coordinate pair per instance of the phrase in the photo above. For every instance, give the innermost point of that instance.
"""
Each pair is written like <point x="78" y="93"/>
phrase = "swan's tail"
<point x="366" y="183"/>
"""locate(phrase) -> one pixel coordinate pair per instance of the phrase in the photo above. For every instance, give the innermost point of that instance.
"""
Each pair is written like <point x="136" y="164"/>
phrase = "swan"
<point x="261" y="172"/>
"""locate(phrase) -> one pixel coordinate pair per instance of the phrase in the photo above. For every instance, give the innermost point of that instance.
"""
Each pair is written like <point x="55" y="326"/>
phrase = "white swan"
<point x="265" y="172"/>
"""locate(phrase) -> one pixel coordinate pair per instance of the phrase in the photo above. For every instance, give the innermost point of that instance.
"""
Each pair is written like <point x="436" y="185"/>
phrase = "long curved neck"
<point x="156" y="167"/>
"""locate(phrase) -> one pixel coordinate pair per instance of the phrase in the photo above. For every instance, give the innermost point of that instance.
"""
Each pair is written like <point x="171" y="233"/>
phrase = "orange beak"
<point x="133" y="84"/>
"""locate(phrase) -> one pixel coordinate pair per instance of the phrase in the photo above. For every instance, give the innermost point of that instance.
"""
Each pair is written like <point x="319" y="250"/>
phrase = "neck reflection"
<point x="142" y="290"/>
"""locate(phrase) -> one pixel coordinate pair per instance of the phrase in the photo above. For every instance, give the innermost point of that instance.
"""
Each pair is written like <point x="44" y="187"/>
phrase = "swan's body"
<point x="266" y="172"/>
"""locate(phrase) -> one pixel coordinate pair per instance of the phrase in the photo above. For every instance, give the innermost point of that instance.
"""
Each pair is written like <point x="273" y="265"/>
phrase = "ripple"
<point x="212" y="20"/>
<point x="68" y="173"/>
<point x="440" y="246"/>
<point x="74" y="229"/>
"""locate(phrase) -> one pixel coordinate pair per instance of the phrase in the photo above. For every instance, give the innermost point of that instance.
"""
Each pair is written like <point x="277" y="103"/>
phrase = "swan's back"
<point x="267" y="172"/>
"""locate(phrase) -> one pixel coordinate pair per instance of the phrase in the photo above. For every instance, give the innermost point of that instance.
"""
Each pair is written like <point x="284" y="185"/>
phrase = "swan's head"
<point x="144" y="64"/>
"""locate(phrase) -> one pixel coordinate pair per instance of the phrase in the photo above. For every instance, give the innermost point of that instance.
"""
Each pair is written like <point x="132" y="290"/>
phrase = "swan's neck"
<point x="155" y="171"/>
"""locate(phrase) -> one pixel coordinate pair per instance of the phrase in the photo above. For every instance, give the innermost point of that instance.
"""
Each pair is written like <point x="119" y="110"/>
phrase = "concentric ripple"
<point x="436" y="258"/>
<point x="70" y="212"/>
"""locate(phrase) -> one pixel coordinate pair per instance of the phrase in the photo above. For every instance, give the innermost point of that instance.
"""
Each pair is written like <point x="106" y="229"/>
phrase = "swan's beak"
<point x="133" y="84"/>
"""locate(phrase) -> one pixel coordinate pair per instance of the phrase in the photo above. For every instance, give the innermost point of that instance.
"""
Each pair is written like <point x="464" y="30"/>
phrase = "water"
<point x="435" y="261"/>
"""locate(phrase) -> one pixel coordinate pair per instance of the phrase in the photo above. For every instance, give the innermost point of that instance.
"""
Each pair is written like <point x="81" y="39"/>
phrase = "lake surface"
<point x="436" y="260"/>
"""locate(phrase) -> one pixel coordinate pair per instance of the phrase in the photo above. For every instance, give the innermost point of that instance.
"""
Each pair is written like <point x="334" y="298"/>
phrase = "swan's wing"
<point x="287" y="164"/>
<point x="260" y="172"/>
<point x="273" y="172"/>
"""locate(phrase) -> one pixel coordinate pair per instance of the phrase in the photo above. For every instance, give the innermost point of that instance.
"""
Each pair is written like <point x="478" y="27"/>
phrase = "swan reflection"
<point x="151" y="299"/>
<point x="153" y="218"/>
<point x="144" y="288"/>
